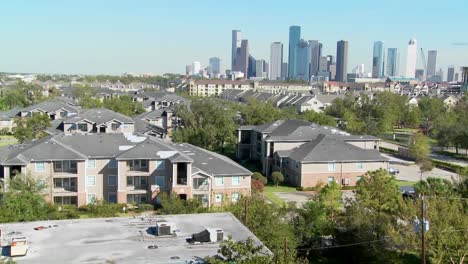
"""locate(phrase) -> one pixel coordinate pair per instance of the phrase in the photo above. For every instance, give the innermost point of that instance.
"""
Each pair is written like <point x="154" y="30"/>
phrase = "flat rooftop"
<point x="122" y="240"/>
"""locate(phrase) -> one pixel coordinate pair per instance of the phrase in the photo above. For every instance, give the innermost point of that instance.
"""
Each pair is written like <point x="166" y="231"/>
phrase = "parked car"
<point x="393" y="171"/>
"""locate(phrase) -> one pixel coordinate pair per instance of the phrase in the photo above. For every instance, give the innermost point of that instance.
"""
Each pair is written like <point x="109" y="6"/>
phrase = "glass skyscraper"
<point x="378" y="60"/>
<point x="392" y="62"/>
<point x="302" y="61"/>
<point x="341" y="61"/>
<point x="294" y="38"/>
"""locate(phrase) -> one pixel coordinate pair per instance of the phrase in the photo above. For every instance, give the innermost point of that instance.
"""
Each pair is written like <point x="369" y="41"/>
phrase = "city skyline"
<point x="127" y="37"/>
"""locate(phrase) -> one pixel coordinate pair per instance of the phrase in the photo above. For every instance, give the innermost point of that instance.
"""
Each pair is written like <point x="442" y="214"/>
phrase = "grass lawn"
<point x="404" y="183"/>
<point x="270" y="190"/>
<point x="7" y="140"/>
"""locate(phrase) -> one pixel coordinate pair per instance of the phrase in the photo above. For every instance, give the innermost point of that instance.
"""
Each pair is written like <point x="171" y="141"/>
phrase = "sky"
<point x="160" y="36"/>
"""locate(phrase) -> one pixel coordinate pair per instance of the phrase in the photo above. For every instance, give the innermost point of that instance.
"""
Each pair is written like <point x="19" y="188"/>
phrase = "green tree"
<point x="172" y="204"/>
<point x="241" y="252"/>
<point x="259" y="176"/>
<point x="124" y="105"/>
<point x="419" y="147"/>
<point x="87" y="97"/>
<point x="318" y="118"/>
<point x="33" y="127"/>
<point x="277" y="177"/>
<point x="257" y="113"/>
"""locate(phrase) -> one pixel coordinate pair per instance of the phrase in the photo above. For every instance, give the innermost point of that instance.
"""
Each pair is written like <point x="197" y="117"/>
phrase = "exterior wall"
<point x="227" y="189"/>
<point x="124" y="128"/>
<point x="6" y="124"/>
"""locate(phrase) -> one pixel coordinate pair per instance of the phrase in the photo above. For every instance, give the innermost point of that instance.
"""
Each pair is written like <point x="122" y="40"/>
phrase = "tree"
<point x="277" y="177"/>
<point x="86" y="97"/>
<point x="241" y="252"/>
<point x="419" y="148"/>
<point x="260" y="177"/>
<point x="318" y="118"/>
<point x="172" y="204"/>
<point x="124" y="105"/>
<point x="33" y="127"/>
<point x="258" y="113"/>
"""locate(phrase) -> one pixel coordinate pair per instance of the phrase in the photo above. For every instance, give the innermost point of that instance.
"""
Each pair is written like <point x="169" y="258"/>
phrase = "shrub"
<point x="277" y="177"/>
<point x="102" y="209"/>
<point x="257" y="186"/>
<point x="172" y="204"/>
<point x="145" y="207"/>
<point x="259" y="176"/>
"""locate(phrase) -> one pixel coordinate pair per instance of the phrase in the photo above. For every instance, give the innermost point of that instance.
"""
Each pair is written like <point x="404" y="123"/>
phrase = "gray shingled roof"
<point x="326" y="148"/>
<point x="10" y="114"/>
<point x="99" y="116"/>
<point x="149" y="149"/>
<point x="51" y="106"/>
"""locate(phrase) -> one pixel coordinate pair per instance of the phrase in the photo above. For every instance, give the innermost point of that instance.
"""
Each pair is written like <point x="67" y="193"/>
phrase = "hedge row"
<point x="389" y="151"/>
<point x="447" y="165"/>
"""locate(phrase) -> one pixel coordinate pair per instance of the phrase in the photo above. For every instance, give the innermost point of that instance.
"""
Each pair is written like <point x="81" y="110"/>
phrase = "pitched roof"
<point x="150" y="148"/>
<point x="326" y="148"/>
<point x="99" y="116"/>
<point x="51" y="106"/>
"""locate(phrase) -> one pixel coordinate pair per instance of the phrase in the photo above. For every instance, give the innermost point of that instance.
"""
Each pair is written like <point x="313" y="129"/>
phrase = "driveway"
<point x="412" y="173"/>
<point x="298" y="197"/>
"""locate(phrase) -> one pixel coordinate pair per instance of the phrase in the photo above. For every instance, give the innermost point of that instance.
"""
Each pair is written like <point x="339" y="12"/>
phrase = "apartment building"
<point x="206" y="88"/>
<point x="124" y="167"/>
<point x="272" y="144"/>
<point x="98" y="120"/>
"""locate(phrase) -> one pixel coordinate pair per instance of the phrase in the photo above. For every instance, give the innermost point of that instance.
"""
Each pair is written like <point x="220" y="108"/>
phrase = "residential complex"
<point x="308" y="154"/>
<point x="124" y="168"/>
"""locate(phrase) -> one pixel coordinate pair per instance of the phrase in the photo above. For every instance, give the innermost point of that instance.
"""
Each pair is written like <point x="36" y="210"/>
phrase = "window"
<point x="65" y="166"/>
<point x="235" y="197"/>
<point x="144" y="163"/>
<point x="235" y="180"/>
<point x="112" y="180"/>
<point x="112" y="198"/>
<point x="160" y="165"/>
<point x="91" y="181"/>
<point x="359" y="166"/>
<point x="115" y="126"/>
<point x="331" y="166"/>
<point x="40" y="166"/>
<point x="331" y="179"/>
<point x="41" y="183"/>
<point x="358" y="178"/>
<point x="112" y="163"/>
<point x="91" y="163"/>
<point x="219" y="180"/>
<point x="160" y="181"/>
<point x="83" y="127"/>
<point x="199" y="182"/>
<point x="218" y="198"/>
<point x="91" y="198"/>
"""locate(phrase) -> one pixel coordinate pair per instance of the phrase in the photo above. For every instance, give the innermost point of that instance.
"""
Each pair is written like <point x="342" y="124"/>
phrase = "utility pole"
<point x="423" y="239"/>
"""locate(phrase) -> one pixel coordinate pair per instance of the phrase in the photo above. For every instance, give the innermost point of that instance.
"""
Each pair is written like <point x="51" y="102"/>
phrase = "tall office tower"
<point x="329" y="61"/>
<point x="332" y="70"/>
<point x="419" y="74"/>
<point x="215" y="66"/>
<point x="188" y="69"/>
<point x="236" y="44"/>
<point x="378" y="60"/>
<point x="440" y="75"/>
<point x="252" y="64"/>
<point x="267" y="70"/>
<point x="276" y="60"/>
<point x="294" y="37"/>
<point x="314" y="57"/>
<point x="323" y="64"/>
<point x="431" y="63"/>
<point x="242" y="58"/>
<point x="392" y="62"/>
<point x="464" y="74"/>
<point x="450" y="74"/>
<point x="284" y="71"/>
<point x="196" y="67"/>
<point x="341" y="61"/>
<point x="302" y="61"/>
<point x="260" y="68"/>
<point x="411" y="59"/>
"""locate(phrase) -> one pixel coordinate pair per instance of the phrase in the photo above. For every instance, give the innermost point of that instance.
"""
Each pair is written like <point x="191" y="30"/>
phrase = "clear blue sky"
<point x="158" y="36"/>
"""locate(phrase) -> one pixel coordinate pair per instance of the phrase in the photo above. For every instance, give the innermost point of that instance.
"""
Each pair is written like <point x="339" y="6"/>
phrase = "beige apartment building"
<point x="303" y="151"/>
<point x="125" y="168"/>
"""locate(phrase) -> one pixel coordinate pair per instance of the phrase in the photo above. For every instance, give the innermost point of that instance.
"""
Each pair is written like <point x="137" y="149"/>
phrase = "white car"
<point x="393" y="171"/>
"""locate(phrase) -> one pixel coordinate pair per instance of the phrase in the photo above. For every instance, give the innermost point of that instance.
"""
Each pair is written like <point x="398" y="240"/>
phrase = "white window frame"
<point x="238" y="180"/>
<point x="220" y="200"/>
<point x="235" y="197"/>
<point x="360" y="166"/>
<point x="328" y="180"/>
<point x="358" y="178"/>
<point x="36" y="168"/>
<point x="331" y="166"/>
<point x="109" y="182"/>
<point x="88" y="201"/>
<point x="90" y="177"/>
<point x="217" y="183"/>
<point x="88" y="164"/>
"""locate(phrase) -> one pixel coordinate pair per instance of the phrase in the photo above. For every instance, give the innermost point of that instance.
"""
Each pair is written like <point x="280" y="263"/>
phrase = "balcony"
<point x="137" y="166"/>
<point x="65" y="189"/>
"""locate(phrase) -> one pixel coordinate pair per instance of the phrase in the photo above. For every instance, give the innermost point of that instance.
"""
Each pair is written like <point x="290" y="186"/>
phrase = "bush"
<point x="389" y="151"/>
<point x="447" y="165"/>
<point x="277" y="177"/>
<point x="260" y="177"/>
<point x="145" y="207"/>
<point x="102" y="209"/>
<point x="257" y="186"/>
<point x="172" y="204"/>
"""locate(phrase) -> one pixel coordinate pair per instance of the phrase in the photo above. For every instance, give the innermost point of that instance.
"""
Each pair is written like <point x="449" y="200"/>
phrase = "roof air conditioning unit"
<point x="165" y="228"/>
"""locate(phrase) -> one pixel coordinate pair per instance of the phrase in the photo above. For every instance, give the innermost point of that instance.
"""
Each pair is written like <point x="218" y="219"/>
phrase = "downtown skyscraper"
<point x="294" y="38"/>
<point x="451" y="74"/>
<point x="215" y="66"/>
<point x="393" y="61"/>
<point x="314" y="56"/>
<point x="431" y="63"/>
<point x="341" y="61"/>
<point x="236" y="44"/>
<point x="411" y="59"/>
<point x="378" y="60"/>
<point x="276" y="60"/>
<point x="302" y="61"/>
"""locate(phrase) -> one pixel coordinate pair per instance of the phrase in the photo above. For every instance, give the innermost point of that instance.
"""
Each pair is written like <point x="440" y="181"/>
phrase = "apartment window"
<point x="91" y="198"/>
<point x="160" y="181"/>
<point x="219" y="180"/>
<point x="358" y="178"/>
<point x="64" y="166"/>
<point x="136" y="180"/>
<point x="115" y="126"/>
<point x="137" y="164"/>
<point x="91" y="163"/>
<point x="331" y="179"/>
<point x="112" y="164"/>
<point x="331" y="166"/>
<point x="199" y="182"/>
<point x="359" y="166"/>
<point x="40" y="166"/>
<point x="91" y="181"/>
<point x="112" y="180"/>
<point x="112" y="198"/>
<point x="235" y="197"/>
<point x="235" y="180"/>
<point x="160" y="165"/>
<point x="219" y="198"/>
<point x="83" y="127"/>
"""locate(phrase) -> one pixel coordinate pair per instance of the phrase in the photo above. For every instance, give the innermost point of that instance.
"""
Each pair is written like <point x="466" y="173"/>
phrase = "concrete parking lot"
<point x="412" y="173"/>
